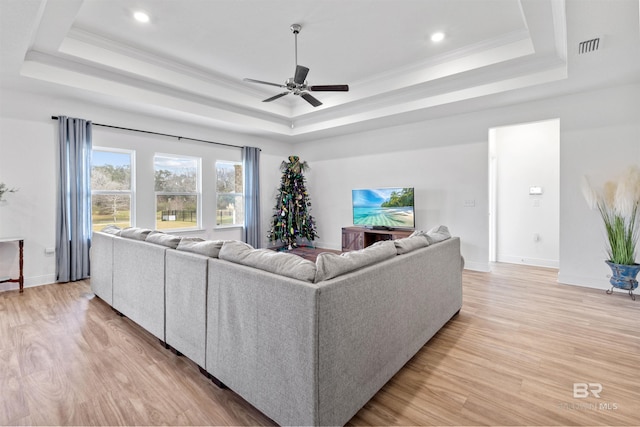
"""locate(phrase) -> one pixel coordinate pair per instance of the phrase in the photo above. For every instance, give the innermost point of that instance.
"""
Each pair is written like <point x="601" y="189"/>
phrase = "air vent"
<point x="588" y="46"/>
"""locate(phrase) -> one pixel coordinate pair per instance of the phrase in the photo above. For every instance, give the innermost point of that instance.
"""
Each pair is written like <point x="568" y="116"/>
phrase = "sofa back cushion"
<point x="434" y="235"/>
<point x="135" y="233"/>
<point x="111" y="229"/>
<point x="409" y="244"/>
<point x="330" y="265"/>
<point x="281" y="263"/>
<point x="164" y="239"/>
<point x="438" y="234"/>
<point x="210" y="248"/>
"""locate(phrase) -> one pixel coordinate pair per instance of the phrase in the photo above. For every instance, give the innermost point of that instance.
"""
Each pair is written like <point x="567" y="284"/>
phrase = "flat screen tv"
<point x="384" y="208"/>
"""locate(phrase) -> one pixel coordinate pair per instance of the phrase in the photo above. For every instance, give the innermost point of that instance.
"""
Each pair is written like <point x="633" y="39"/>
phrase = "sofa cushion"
<point x="135" y="233"/>
<point x="210" y="248"/>
<point x="281" y="263"/>
<point x="164" y="239"/>
<point x="409" y="244"/>
<point x="330" y="265"/>
<point x="111" y="229"/>
<point x="420" y="233"/>
<point x="438" y="234"/>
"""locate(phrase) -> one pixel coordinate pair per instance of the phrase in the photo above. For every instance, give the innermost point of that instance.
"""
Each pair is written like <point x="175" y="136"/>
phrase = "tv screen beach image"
<point x="383" y="207"/>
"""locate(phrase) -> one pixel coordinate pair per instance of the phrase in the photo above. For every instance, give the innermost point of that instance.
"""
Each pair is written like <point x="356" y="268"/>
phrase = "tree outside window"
<point x="229" y="194"/>
<point x="112" y="187"/>
<point x="177" y="187"/>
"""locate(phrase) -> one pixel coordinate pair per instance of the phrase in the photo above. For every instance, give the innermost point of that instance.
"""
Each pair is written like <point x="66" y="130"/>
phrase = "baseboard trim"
<point x="46" y="279"/>
<point x="536" y="262"/>
<point x="29" y="282"/>
<point x="482" y="267"/>
<point x="584" y="281"/>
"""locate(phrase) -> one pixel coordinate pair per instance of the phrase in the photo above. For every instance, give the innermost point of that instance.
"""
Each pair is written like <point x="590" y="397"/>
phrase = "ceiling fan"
<point x="297" y="85"/>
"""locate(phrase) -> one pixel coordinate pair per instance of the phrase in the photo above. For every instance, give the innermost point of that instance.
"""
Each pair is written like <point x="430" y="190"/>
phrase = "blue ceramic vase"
<point x="624" y="277"/>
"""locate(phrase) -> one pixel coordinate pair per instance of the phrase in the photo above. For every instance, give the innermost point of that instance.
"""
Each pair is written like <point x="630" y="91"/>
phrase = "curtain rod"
<point x="160" y="134"/>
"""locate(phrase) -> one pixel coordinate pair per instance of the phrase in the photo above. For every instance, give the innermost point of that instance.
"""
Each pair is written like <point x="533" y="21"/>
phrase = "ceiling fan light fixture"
<point x="437" y="37"/>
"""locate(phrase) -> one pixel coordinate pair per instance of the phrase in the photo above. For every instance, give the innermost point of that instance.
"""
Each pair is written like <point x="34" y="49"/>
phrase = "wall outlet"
<point x="49" y="251"/>
<point x="470" y="203"/>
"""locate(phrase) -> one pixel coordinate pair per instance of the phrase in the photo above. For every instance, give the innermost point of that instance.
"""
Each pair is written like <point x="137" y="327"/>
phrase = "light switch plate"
<point x="535" y="191"/>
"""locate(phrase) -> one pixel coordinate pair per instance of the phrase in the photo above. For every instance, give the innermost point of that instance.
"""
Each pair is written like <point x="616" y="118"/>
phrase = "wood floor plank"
<point x="511" y="357"/>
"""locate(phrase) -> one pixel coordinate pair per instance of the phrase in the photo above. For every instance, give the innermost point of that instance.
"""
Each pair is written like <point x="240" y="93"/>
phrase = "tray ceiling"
<point x="190" y="59"/>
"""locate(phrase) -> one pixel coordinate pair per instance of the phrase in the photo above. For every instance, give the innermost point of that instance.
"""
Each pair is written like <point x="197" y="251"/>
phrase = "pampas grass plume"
<point x="590" y="195"/>
<point x="619" y="205"/>
<point x="609" y="194"/>
<point x="627" y="194"/>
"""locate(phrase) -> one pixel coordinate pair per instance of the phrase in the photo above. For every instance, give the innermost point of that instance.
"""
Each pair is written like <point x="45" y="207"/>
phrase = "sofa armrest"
<point x="186" y="303"/>
<point x="262" y="341"/>
<point x="138" y="292"/>
<point x="101" y="258"/>
<point x="372" y="321"/>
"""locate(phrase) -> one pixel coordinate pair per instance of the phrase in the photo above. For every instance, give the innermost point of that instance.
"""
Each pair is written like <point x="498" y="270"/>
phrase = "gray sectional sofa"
<point x="306" y="343"/>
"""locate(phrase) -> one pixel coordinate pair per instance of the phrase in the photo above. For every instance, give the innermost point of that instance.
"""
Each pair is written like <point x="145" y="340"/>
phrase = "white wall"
<point x="528" y="226"/>
<point x="27" y="161"/>
<point x="445" y="166"/>
<point x="440" y="191"/>
<point x="601" y="153"/>
<point x="28" y="139"/>
<point x="447" y="161"/>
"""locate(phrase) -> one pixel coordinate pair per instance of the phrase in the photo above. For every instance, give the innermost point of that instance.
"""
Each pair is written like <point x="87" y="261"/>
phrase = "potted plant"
<point x="618" y="204"/>
<point x="5" y="189"/>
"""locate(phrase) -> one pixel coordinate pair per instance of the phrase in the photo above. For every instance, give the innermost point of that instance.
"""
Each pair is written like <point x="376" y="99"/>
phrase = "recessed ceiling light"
<point x="141" y="16"/>
<point x="437" y="37"/>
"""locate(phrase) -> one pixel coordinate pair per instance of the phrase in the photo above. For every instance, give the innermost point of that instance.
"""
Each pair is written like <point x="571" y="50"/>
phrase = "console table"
<point x="355" y="238"/>
<point x="20" y="279"/>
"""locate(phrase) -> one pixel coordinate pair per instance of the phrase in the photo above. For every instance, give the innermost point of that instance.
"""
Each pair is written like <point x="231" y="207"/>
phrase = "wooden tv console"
<point x="355" y="238"/>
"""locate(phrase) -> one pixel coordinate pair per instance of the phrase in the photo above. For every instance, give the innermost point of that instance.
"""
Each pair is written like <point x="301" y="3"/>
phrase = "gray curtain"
<point x="251" y="168"/>
<point x="73" y="219"/>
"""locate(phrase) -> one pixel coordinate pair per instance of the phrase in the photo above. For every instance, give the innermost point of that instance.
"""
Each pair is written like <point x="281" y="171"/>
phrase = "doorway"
<point x="524" y="193"/>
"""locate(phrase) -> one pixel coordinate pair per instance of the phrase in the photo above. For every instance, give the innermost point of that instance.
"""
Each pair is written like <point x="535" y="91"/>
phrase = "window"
<point x="112" y="187"/>
<point x="177" y="185"/>
<point x="230" y="194"/>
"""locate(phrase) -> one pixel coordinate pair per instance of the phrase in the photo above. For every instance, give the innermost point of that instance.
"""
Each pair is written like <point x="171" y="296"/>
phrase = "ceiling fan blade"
<point x="329" y="88"/>
<point x="310" y="99"/>
<point x="273" y="98"/>
<point x="301" y="74"/>
<point x="262" y="82"/>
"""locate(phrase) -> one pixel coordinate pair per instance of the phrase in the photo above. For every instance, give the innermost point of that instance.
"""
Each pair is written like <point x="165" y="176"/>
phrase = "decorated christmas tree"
<point x="291" y="218"/>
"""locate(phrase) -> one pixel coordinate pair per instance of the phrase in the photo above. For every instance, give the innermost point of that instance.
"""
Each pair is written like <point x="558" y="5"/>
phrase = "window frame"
<point x="235" y="194"/>
<point x="132" y="179"/>
<point x="197" y="193"/>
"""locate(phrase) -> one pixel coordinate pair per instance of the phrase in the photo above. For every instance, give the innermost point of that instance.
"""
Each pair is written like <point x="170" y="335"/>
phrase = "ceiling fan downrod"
<point x="295" y="28"/>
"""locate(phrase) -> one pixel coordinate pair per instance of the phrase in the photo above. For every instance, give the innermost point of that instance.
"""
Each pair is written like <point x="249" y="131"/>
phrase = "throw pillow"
<point x="438" y="234"/>
<point x="135" y="233"/>
<point x="421" y="233"/>
<point x="330" y="265"/>
<point x="409" y="244"/>
<point x="281" y="263"/>
<point x="210" y="248"/>
<point x="160" y="238"/>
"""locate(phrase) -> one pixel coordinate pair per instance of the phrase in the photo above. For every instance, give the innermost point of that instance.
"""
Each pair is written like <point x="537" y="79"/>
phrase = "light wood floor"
<point x="510" y="357"/>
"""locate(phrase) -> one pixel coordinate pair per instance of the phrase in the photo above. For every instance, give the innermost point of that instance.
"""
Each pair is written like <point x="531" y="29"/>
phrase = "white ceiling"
<point x="190" y="59"/>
